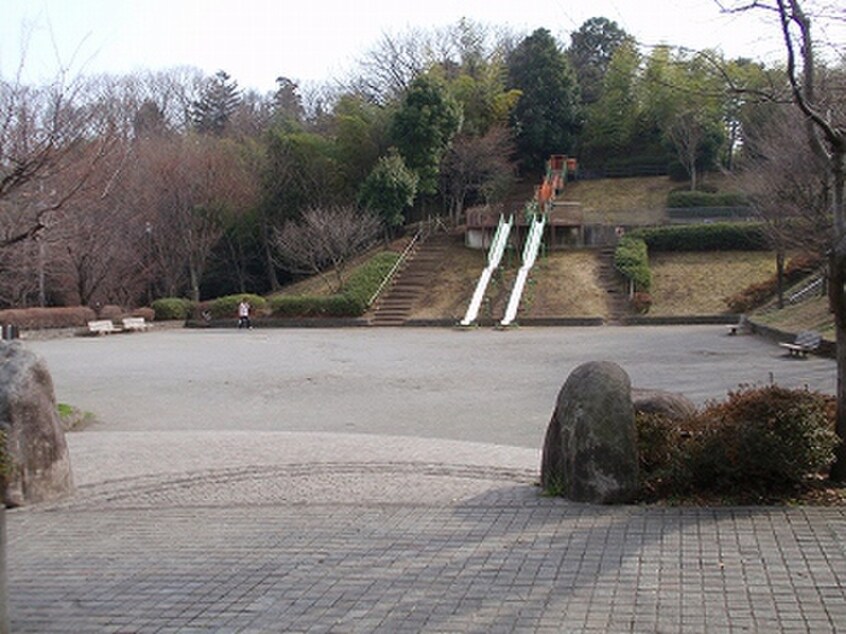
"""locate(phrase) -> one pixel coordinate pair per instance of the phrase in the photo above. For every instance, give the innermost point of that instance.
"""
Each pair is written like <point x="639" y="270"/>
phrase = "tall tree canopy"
<point x="218" y="102"/>
<point x="590" y="53"/>
<point x="423" y="127"/>
<point x="547" y="117"/>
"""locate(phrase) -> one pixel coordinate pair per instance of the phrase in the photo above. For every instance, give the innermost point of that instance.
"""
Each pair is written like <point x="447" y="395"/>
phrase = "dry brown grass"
<point x="452" y="285"/>
<point x="698" y="283"/>
<point x="813" y="314"/>
<point x="621" y="200"/>
<point x="565" y="285"/>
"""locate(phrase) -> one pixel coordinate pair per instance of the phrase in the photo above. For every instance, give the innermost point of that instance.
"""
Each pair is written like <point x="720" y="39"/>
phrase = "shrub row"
<point x="172" y="308"/>
<point x="338" y="305"/>
<point x="705" y="199"/>
<point x="756" y="295"/>
<point x="351" y="301"/>
<point x="631" y="259"/>
<point x="760" y="441"/>
<point x="41" y="318"/>
<point x="226" y="307"/>
<point x="719" y="236"/>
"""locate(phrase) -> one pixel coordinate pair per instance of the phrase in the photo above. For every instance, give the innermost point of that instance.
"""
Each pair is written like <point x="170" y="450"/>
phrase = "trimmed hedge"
<point x="718" y="236"/>
<point x="631" y="259"/>
<point x="172" y="308"/>
<point x="366" y="279"/>
<point x="227" y="306"/>
<point x="338" y="305"/>
<point x="352" y="299"/>
<point x="706" y="199"/>
<point x="42" y="318"/>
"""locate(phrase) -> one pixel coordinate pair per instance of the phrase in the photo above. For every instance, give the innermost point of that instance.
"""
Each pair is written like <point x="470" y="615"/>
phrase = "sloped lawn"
<point x="698" y="283"/>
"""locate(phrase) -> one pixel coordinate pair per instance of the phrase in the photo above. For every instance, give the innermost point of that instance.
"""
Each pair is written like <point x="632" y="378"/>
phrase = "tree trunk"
<point x="837" y="296"/>
<point x="195" y="282"/>
<point x="780" y="278"/>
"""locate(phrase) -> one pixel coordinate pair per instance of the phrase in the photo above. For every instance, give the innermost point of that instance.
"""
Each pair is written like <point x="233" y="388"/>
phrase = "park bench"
<point x="102" y="327"/>
<point x="135" y="324"/>
<point x="805" y="342"/>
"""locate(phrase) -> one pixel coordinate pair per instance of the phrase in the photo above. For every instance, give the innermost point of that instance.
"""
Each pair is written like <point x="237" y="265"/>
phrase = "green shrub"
<point x="227" y="306"/>
<point x="171" y="308"/>
<point x="338" y="305"/>
<point x="759" y="441"/>
<point x="353" y="299"/>
<point x="718" y="236"/>
<point x="631" y="259"/>
<point x="7" y="465"/>
<point x="678" y="199"/>
<point x="365" y="280"/>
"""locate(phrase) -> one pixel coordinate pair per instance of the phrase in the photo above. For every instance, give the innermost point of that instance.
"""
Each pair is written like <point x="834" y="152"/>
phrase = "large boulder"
<point x="35" y="452"/>
<point x="590" y="450"/>
<point x="670" y="405"/>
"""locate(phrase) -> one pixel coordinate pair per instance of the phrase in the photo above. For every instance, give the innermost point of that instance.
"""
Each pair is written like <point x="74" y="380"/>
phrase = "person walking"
<point x="244" y="314"/>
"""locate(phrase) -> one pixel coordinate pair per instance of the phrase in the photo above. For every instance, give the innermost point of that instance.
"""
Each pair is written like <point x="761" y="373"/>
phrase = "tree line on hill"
<point x="122" y="189"/>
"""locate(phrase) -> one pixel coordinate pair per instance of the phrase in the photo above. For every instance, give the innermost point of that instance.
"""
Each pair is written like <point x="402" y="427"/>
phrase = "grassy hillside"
<point x="566" y="283"/>
<point x="699" y="283"/>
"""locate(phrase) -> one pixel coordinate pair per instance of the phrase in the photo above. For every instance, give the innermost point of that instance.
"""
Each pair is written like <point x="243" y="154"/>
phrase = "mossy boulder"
<point x="590" y="450"/>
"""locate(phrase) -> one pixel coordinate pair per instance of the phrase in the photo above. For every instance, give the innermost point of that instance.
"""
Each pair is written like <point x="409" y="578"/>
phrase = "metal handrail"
<point x="396" y="266"/>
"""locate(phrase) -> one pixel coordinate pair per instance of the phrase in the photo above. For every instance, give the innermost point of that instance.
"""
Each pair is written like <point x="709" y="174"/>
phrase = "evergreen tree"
<point x="547" y="117"/>
<point x="590" y="53"/>
<point x="423" y="128"/>
<point x="218" y="102"/>
<point x="287" y="104"/>
<point x="389" y="189"/>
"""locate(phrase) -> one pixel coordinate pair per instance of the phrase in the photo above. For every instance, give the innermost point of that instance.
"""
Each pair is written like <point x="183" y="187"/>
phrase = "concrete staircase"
<point x="617" y="300"/>
<point x="396" y="303"/>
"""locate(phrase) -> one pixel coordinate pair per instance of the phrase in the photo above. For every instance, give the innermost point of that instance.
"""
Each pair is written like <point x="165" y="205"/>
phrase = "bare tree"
<point x="189" y="182"/>
<point x="477" y="167"/>
<point x="825" y="124"/>
<point x="788" y="188"/>
<point x="324" y="240"/>
<point x="44" y="133"/>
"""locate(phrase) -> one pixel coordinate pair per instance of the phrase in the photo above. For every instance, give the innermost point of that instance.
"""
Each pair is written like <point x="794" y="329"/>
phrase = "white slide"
<point x="530" y="254"/>
<point x="497" y="248"/>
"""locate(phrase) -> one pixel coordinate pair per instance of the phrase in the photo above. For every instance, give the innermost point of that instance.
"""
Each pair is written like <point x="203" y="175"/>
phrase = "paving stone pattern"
<point x="345" y="482"/>
<point x="503" y="559"/>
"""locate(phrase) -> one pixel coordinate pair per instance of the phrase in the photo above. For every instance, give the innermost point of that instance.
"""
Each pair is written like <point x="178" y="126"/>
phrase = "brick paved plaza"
<point x="384" y="480"/>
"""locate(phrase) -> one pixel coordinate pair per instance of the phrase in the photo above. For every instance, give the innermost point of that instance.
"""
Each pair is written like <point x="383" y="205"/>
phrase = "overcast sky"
<point x="255" y="41"/>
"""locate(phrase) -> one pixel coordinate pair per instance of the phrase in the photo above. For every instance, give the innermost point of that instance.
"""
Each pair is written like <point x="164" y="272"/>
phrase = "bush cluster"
<point x="338" y="305"/>
<point x="172" y="308"/>
<point x="760" y="441"/>
<point x="42" y="318"/>
<point x="631" y="259"/>
<point x="718" y="236"/>
<point x="758" y="294"/>
<point x="688" y="198"/>
<point x="226" y="307"/>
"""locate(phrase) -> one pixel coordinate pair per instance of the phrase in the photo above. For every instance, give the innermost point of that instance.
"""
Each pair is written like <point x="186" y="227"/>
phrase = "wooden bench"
<point x="135" y="324"/>
<point x="102" y="327"/>
<point x="805" y="342"/>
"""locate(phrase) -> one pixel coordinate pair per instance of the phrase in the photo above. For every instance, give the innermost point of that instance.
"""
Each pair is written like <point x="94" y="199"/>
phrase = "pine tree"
<point x="220" y="99"/>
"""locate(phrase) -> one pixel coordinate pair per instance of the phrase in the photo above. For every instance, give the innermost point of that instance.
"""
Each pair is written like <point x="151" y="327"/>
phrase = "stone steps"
<point x="617" y="300"/>
<point x="395" y="305"/>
